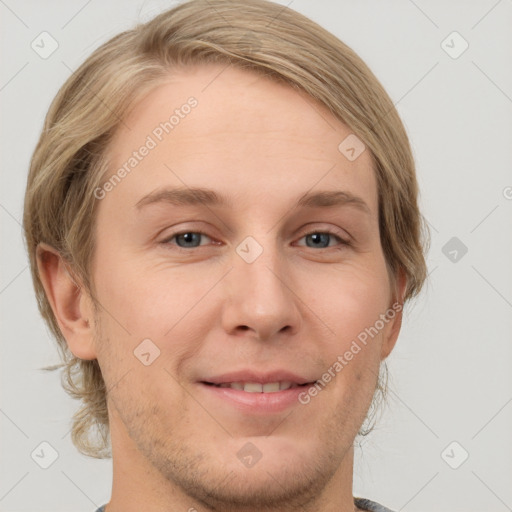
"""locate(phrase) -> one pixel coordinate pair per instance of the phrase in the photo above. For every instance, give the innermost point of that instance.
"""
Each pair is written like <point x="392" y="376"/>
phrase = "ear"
<point x="71" y="305"/>
<point x="395" y="314"/>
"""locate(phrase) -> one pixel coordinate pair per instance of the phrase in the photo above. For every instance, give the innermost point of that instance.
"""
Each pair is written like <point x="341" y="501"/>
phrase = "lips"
<point x="255" y="394"/>
<point x="255" y="382"/>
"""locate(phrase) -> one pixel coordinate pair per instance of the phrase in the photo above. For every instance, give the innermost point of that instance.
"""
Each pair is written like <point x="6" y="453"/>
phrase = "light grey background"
<point x="451" y="378"/>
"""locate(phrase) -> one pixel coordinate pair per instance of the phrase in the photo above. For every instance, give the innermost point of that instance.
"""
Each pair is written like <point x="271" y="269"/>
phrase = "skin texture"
<point x="296" y="307"/>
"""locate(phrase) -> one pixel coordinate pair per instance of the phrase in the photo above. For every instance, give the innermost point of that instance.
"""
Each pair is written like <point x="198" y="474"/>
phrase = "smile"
<point x="256" y="387"/>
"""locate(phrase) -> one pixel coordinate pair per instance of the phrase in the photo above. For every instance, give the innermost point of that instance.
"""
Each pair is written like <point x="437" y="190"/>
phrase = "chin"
<point x="269" y="471"/>
<point x="269" y="484"/>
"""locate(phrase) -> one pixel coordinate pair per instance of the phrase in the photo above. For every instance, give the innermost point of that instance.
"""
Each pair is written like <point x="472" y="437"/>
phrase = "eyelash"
<point x="342" y="242"/>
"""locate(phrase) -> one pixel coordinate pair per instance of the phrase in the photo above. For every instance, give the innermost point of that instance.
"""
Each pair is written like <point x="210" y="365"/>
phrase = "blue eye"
<point x="321" y="239"/>
<point x="189" y="239"/>
<point x="192" y="239"/>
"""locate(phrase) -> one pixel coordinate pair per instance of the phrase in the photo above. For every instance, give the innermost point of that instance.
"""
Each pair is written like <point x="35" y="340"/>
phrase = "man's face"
<point x="228" y="297"/>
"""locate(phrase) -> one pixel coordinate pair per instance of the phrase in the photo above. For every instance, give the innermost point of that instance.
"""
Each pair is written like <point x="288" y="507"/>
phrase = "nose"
<point x="260" y="300"/>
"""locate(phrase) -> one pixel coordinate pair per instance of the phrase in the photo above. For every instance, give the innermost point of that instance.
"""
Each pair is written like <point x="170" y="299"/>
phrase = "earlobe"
<point x="70" y="303"/>
<point x="394" y="313"/>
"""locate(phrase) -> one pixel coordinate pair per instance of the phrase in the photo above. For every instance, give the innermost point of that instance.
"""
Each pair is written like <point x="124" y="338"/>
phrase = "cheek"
<point x="353" y="307"/>
<point x="147" y="300"/>
<point x="353" y="301"/>
<point x="146" y="303"/>
<point x="155" y="312"/>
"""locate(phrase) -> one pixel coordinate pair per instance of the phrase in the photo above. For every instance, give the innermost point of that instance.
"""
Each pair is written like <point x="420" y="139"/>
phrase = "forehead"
<point x="245" y="134"/>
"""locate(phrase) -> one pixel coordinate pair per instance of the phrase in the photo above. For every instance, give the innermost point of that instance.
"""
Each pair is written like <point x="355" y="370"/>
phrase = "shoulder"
<point x="362" y="503"/>
<point x="370" y="506"/>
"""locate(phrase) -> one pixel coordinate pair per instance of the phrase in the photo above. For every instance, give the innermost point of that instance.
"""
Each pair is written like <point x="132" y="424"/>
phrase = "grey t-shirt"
<point x="362" y="503"/>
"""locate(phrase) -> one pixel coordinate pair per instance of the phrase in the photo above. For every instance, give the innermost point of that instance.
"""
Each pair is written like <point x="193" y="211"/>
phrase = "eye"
<point x="321" y="239"/>
<point x="186" y="239"/>
<point x="318" y="239"/>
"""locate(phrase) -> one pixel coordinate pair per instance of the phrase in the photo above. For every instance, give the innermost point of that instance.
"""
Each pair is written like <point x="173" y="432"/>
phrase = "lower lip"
<point x="265" y="403"/>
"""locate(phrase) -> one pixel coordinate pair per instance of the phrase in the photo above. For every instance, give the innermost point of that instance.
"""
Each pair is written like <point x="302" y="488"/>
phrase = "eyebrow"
<point x="194" y="196"/>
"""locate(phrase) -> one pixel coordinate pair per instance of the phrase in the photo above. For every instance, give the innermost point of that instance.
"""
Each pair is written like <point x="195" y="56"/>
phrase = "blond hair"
<point x="69" y="160"/>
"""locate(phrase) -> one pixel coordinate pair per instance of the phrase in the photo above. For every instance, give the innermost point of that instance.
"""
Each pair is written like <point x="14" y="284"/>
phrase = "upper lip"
<point x="259" y="377"/>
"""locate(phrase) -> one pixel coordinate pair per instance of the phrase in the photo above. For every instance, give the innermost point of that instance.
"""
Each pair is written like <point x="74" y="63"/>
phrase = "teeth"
<point x="255" y="387"/>
<point x="271" y="387"/>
